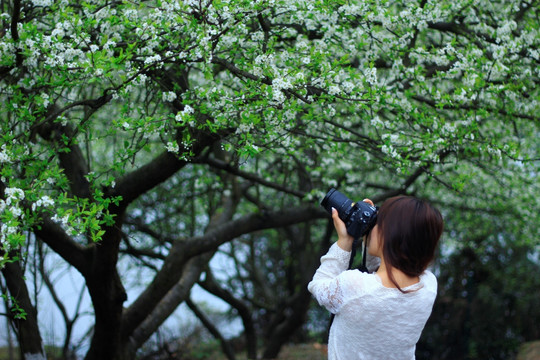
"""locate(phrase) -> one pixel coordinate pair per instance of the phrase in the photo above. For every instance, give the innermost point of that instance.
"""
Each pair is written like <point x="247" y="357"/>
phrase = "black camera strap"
<point x="362" y="267"/>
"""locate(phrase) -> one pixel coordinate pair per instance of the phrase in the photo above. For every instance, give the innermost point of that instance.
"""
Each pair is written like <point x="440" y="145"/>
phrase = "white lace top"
<point x="372" y="321"/>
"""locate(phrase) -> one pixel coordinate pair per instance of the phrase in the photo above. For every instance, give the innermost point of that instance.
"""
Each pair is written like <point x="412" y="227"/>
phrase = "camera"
<point x="359" y="217"/>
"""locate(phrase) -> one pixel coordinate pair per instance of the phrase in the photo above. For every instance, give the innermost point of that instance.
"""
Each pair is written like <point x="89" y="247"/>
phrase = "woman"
<point x="381" y="315"/>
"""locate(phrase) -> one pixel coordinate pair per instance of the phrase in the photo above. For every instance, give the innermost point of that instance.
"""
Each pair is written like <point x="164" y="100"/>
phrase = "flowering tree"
<point x="235" y="116"/>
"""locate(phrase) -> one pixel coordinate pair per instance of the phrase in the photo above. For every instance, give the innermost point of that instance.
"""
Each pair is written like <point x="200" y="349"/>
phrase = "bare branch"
<point x="168" y="302"/>
<point x="181" y="252"/>
<point x="225" y="346"/>
<point x="218" y="164"/>
<point x="210" y="284"/>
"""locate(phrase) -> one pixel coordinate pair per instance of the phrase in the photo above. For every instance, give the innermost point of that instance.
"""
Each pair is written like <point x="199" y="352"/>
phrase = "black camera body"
<point x="359" y="217"/>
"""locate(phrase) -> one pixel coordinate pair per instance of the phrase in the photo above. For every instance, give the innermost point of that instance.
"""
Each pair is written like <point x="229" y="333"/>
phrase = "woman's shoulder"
<point x="360" y="281"/>
<point x="429" y="280"/>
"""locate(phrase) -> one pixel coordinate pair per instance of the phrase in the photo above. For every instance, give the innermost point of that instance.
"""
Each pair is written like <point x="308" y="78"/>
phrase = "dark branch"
<point x="14" y="32"/>
<point x="218" y="164"/>
<point x="181" y="252"/>
<point x="71" y="156"/>
<point x="61" y="243"/>
<point x="503" y="112"/>
<point x="225" y="345"/>
<point x="250" y="223"/>
<point x="151" y="316"/>
<point x="210" y="284"/>
<point x="156" y="171"/>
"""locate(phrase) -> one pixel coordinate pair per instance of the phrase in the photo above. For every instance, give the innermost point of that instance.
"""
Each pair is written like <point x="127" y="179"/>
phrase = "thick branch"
<point x="434" y="104"/>
<point x="156" y="171"/>
<point x="175" y="296"/>
<point x="181" y="252"/>
<point x="14" y="31"/>
<point x="250" y="223"/>
<point x="61" y="243"/>
<point x="72" y="161"/>
<point x="292" y="317"/>
<point x="28" y="334"/>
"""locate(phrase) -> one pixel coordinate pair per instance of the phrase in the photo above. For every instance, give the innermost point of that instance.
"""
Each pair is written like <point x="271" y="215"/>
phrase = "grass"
<point x="289" y="352"/>
<point x="4" y="353"/>
<point x="313" y="351"/>
<point x="303" y="351"/>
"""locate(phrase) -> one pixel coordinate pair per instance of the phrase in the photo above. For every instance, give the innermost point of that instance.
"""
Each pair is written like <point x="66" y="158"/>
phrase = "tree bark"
<point x="108" y="295"/>
<point x="183" y="251"/>
<point x="293" y="312"/>
<point x="28" y="335"/>
<point x="190" y="273"/>
<point x="293" y="316"/>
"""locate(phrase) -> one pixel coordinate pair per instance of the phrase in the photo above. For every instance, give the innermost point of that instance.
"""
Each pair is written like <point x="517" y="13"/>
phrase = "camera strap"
<point x="362" y="267"/>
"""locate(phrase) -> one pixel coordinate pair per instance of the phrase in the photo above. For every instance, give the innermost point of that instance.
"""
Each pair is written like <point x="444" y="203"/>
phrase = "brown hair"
<point x="410" y="230"/>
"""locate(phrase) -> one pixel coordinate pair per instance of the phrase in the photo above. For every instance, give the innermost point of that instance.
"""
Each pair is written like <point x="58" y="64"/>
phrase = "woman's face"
<point x="374" y="242"/>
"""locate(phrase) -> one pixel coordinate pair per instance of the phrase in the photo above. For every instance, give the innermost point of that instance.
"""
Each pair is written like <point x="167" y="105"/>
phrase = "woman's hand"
<point x="345" y="241"/>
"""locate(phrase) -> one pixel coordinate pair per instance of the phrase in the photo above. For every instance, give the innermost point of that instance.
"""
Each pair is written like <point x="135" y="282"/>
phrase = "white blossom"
<point x="152" y="59"/>
<point x="244" y="128"/>
<point x="172" y="146"/>
<point x="280" y="83"/>
<point x="334" y="90"/>
<point x="4" y="156"/>
<point x="371" y="75"/>
<point x="13" y="194"/>
<point x="184" y="114"/>
<point x="376" y="122"/>
<point x="347" y="86"/>
<point x="169" y="96"/>
<point x="42" y="3"/>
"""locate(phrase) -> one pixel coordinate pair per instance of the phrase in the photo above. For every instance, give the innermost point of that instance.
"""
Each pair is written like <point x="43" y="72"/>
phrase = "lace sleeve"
<point x="326" y="285"/>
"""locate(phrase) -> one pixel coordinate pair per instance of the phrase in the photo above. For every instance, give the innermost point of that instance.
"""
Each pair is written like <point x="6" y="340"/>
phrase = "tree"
<point x="230" y="117"/>
<point x="485" y="308"/>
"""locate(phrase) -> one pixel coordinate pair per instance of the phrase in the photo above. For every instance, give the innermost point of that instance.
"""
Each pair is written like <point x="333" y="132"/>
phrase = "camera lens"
<point x="335" y="199"/>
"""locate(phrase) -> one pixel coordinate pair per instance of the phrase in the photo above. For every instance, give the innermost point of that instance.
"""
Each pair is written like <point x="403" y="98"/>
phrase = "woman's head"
<point x="409" y="229"/>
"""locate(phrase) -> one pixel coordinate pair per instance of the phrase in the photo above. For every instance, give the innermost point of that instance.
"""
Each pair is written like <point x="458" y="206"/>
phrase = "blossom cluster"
<point x="11" y="214"/>
<point x="384" y="83"/>
<point x="5" y="156"/>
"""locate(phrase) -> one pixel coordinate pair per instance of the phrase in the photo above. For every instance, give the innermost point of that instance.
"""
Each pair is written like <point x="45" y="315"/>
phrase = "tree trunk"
<point x="28" y="335"/>
<point x="282" y="333"/>
<point x="108" y="296"/>
<point x="294" y="311"/>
